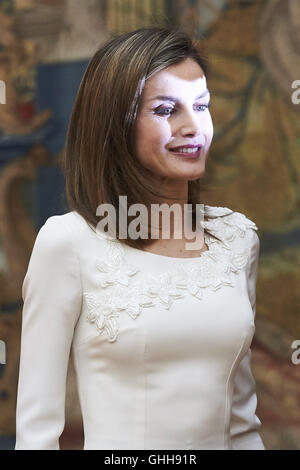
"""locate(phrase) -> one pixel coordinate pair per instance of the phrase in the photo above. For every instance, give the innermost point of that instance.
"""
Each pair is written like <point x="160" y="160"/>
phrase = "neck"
<point x="176" y="193"/>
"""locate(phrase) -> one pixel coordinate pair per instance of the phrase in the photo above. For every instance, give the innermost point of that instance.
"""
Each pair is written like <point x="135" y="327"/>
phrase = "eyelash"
<point x="157" y="110"/>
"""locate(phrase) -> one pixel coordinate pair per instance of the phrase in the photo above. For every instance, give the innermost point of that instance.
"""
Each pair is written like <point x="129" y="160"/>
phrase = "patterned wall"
<point x="253" y="166"/>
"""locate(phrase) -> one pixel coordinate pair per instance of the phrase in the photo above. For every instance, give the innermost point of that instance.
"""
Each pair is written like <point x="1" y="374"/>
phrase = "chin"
<point x="192" y="174"/>
<point x="197" y="177"/>
<point x="187" y="177"/>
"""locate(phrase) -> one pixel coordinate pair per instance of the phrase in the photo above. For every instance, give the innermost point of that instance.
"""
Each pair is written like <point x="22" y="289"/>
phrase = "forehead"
<point x="187" y="75"/>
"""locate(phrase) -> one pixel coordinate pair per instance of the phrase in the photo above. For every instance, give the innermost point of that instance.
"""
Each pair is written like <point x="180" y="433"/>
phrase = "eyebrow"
<point x="174" y="99"/>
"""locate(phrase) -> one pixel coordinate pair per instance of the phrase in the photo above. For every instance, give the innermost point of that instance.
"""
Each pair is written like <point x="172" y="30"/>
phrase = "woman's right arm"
<point x="52" y="295"/>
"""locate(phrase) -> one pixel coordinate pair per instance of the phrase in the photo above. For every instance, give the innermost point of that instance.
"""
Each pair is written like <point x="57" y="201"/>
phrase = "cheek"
<point x="152" y="134"/>
<point x="209" y="129"/>
<point x="210" y="124"/>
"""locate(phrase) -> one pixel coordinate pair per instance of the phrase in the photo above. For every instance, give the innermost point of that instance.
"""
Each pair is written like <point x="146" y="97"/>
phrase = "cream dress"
<point x="161" y="345"/>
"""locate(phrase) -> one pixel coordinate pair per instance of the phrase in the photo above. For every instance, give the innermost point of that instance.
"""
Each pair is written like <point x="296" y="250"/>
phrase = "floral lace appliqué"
<point x="104" y="308"/>
<point x="115" y="270"/>
<point x="122" y="290"/>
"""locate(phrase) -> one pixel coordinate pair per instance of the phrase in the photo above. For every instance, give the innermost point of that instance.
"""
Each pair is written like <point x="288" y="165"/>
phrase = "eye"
<point x="203" y="106"/>
<point x="164" y="111"/>
<point x="168" y="111"/>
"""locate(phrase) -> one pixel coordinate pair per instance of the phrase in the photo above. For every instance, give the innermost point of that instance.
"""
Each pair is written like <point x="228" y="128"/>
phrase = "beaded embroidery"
<point x="122" y="290"/>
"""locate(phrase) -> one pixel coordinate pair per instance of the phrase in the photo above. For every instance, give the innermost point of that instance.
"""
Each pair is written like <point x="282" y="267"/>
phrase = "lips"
<point x="190" y="153"/>
<point x="194" y="147"/>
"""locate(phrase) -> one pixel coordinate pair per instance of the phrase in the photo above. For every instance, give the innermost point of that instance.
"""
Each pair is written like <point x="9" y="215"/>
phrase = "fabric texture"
<point x="161" y="345"/>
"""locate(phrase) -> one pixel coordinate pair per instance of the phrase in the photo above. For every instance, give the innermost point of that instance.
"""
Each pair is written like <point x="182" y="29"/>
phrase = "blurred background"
<point x="253" y="167"/>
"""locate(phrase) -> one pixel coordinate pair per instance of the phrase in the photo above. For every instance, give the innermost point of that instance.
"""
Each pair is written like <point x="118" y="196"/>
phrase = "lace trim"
<point x="120" y="291"/>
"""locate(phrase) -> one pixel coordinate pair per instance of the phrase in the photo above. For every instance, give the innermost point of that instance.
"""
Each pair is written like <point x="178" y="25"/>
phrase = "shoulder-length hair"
<point x="99" y="161"/>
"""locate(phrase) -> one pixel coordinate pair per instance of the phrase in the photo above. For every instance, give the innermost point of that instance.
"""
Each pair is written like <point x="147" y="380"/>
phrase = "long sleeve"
<point x="52" y="296"/>
<point x="245" y="424"/>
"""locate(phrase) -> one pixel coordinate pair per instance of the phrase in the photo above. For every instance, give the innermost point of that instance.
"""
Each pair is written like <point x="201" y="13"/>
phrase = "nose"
<point x="191" y="124"/>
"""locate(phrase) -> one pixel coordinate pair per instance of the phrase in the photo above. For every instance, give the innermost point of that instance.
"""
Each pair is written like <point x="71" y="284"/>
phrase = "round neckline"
<point x="155" y="255"/>
<point x="173" y="257"/>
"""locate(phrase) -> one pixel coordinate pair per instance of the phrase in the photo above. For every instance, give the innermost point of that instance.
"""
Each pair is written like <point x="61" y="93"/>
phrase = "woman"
<point x="160" y="332"/>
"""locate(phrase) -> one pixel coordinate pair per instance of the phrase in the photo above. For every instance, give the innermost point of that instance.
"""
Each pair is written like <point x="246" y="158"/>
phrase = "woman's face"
<point x="174" y="118"/>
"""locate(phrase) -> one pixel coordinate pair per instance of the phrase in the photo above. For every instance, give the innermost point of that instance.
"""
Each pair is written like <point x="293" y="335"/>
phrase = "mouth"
<point x="187" y="152"/>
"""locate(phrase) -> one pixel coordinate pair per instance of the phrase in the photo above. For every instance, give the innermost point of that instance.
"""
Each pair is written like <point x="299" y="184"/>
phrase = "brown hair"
<point x="99" y="161"/>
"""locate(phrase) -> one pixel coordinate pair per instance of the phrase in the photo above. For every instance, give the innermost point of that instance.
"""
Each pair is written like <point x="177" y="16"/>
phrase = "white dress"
<point x="161" y="345"/>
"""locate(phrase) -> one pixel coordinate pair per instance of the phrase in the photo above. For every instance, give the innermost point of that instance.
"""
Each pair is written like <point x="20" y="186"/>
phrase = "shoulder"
<point x="230" y="216"/>
<point x="230" y="224"/>
<point x="57" y="234"/>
